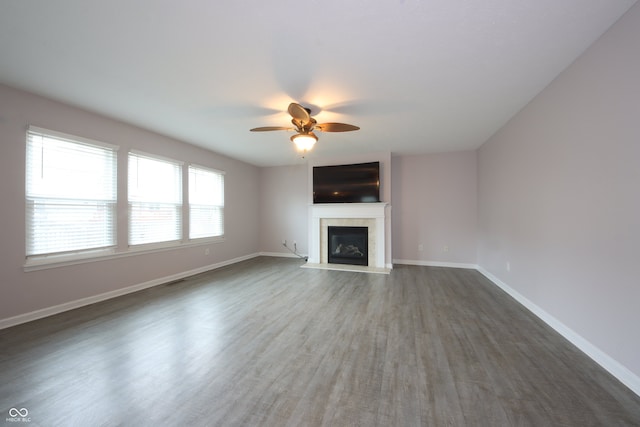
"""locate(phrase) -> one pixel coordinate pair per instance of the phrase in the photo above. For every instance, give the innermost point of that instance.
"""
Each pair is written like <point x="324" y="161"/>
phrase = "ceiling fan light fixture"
<point x="304" y="141"/>
<point x="304" y="125"/>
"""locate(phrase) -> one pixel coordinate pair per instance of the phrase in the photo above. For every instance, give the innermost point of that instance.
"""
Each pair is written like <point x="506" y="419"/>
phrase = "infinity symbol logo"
<point x="23" y="412"/>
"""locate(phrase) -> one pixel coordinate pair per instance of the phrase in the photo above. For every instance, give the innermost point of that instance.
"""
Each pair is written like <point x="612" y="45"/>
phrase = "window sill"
<point x="55" y="261"/>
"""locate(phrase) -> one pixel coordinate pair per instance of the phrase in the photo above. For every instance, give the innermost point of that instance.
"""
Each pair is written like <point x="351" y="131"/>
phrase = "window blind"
<point x="155" y="199"/>
<point x="70" y="194"/>
<point x="206" y="202"/>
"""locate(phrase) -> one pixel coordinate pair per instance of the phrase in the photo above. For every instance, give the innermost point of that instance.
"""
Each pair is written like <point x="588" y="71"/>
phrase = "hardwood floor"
<point x="265" y="342"/>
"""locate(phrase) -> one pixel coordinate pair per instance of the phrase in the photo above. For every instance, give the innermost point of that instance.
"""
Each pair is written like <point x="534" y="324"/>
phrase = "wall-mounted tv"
<point x="354" y="183"/>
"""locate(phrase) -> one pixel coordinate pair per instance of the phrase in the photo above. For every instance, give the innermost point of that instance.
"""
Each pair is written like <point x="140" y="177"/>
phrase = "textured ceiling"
<point x="417" y="76"/>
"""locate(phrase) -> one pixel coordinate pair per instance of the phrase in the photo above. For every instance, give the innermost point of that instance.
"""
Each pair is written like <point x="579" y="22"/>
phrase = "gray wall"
<point x="286" y="194"/>
<point x="559" y="198"/>
<point x="23" y="292"/>
<point x="434" y="208"/>
<point x="433" y="204"/>
<point x="283" y="209"/>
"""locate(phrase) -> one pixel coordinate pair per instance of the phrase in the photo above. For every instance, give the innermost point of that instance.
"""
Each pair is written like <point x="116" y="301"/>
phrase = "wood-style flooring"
<point x="266" y="343"/>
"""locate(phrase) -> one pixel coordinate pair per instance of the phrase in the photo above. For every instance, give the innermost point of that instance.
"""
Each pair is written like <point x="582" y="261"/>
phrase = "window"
<point x="70" y="194"/>
<point x="206" y="202"/>
<point x="155" y="199"/>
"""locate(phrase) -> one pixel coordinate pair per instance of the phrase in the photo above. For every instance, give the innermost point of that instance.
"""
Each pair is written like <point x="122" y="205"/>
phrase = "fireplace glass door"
<point x="348" y="245"/>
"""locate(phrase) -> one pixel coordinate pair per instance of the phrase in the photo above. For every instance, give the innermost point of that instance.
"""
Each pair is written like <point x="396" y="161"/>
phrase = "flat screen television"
<point x="354" y="183"/>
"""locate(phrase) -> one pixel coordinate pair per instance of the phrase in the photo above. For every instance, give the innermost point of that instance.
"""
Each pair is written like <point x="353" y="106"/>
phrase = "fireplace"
<point x="348" y="245"/>
<point x="371" y="216"/>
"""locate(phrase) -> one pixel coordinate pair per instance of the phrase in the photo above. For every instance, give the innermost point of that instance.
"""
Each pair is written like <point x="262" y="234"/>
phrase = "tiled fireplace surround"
<point x="370" y="215"/>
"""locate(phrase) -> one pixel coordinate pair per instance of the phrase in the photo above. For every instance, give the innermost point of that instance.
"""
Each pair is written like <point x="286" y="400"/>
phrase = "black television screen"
<point x="355" y="183"/>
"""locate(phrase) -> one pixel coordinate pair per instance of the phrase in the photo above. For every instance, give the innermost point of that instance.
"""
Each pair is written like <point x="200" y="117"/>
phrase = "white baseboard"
<point x="56" y="309"/>
<point x="616" y="369"/>
<point x="435" y="263"/>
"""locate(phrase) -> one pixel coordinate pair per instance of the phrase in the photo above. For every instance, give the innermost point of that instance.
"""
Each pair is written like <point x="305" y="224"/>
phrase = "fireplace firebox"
<point x="348" y="245"/>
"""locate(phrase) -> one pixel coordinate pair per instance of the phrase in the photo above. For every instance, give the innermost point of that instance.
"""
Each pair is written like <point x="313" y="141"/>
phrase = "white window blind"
<point x="206" y="202"/>
<point x="155" y="199"/>
<point x="70" y="194"/>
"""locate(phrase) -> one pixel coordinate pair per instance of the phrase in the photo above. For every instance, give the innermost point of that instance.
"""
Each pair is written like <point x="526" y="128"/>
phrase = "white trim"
<point x="615" y="368"/>
<point x="207" y="168"/>
<point x="150" y="156"/>
<point x="71" y="305"/>
<point x="435" y="263"/>
<point x="374" y="211"/>
<point x="70" y="138"/>
<point x="54" y="261"/>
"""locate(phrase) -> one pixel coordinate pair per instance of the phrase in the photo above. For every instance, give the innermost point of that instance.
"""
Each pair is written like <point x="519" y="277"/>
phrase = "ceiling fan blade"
<point x="299" y="113"/>
<point x="335" y="127"/>
<point x="269" y="128"/>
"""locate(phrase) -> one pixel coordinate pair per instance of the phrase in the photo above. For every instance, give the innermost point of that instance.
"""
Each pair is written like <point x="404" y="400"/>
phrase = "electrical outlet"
<point x="284" y="242"/>
<point x="445" y="249"/>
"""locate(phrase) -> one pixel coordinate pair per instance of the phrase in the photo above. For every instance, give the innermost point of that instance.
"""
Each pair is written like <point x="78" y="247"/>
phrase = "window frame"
<point x="76" y="253"/>
<point x="121" y="247"/>
<point x="190" y="204"/>
<point x="179" y="206"/>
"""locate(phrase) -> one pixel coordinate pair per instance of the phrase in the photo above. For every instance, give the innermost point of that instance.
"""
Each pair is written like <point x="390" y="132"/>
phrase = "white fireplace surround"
<point x="370" y="215"/>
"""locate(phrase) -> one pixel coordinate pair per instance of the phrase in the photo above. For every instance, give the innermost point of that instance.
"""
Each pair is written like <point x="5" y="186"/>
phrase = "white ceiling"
<point x="417" y="76"/>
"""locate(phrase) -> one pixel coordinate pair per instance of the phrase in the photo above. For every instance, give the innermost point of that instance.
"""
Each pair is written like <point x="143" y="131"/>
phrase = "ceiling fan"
<point x="304" y="125"/>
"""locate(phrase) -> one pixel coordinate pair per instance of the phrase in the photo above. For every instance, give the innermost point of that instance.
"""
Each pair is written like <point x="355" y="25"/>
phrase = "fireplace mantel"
<point x="371" y="213"/>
